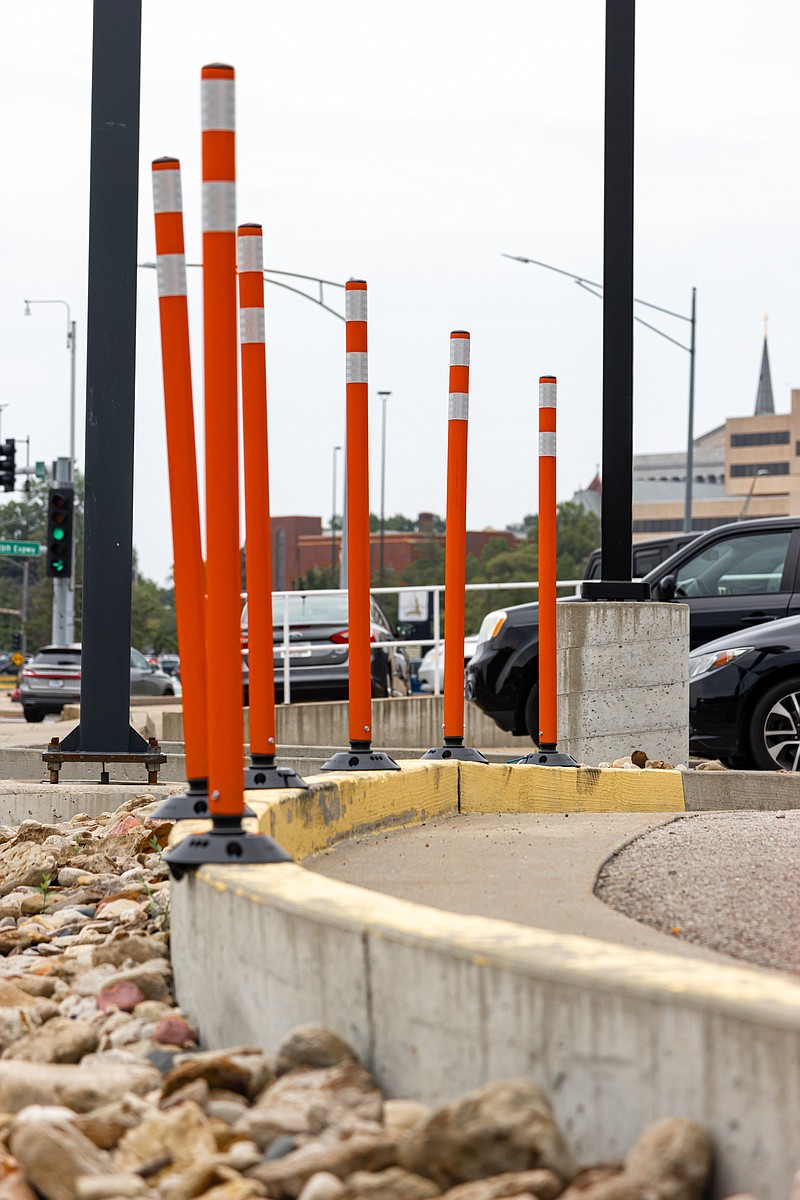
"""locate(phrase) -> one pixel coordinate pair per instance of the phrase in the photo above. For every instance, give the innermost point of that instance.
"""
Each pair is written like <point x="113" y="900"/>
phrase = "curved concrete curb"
<point x="437" y="1003"/>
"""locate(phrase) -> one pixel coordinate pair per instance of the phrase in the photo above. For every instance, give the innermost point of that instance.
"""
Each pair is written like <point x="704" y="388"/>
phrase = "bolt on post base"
<point x="226" y="844"/>
<point x="547" y="756"/>
<point x="360" y="757"/>
<point x="262" y="773"/>
<point x="453" y="750"/>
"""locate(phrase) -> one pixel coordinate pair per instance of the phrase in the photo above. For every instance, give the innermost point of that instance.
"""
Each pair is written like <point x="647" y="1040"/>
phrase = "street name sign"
<point x="21" y="549"/>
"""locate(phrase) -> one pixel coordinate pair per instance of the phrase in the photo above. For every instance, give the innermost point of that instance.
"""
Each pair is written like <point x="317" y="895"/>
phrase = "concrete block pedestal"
<point x="623" y="680"/>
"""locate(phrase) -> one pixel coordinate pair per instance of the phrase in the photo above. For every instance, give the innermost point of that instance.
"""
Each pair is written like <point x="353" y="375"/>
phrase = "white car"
<point x="427" y="668"/>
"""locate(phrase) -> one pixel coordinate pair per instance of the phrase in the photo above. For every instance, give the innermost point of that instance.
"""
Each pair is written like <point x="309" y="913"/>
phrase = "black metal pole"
<point x="617" y="514"/>
<point x="111" y="353"/>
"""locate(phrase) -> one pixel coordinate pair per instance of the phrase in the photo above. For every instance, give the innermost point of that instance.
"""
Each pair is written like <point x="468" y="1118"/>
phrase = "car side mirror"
<point x="666" y="588"/>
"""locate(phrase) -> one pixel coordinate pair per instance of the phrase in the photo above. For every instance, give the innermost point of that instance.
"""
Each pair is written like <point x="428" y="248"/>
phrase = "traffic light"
<point x="16" y="641"/>
<point x="59" y="532"/>
<point x="8" y="463"/>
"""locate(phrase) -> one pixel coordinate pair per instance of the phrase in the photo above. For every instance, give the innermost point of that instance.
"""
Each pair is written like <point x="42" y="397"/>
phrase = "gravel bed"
<point x="727" y="881"/>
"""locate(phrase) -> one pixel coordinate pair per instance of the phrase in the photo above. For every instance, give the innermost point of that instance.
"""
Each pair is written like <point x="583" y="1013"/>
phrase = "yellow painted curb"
<point x="496" y="788"/>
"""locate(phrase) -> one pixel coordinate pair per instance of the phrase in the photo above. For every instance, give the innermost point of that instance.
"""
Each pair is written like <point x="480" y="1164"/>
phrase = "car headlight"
<point x="701" y="664"/>
<point x="491" y="625"/>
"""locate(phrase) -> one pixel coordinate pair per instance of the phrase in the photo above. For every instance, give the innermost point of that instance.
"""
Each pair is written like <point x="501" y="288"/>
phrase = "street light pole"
<point x="384" y="397"/>
<point x="336" y="450"/>
<point x="64" y="589"/>
<point x="596" y="289"/>
<point x="71" y="338"/>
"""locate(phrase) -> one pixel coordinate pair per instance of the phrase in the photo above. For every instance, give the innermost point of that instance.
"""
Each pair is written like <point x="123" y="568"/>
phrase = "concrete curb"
<point x="437" y="1003"/>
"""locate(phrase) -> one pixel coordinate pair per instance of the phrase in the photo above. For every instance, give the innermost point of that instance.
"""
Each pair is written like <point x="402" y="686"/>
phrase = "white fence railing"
<point x="280" y="605"/>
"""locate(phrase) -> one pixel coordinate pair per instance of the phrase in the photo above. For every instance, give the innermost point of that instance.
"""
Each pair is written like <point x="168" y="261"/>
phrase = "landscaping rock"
<point x="308" y="1101"/>
<point x="672" y="1160"/>
<point x="53" y="1158"/>
<point x="543" y="1184"/>
<point x="499" y="1127"/>
<point x="24" y="1083"/>
<point x="312" y="1046"/>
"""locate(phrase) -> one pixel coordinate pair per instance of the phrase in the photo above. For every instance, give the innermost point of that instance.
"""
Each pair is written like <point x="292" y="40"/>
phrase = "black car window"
<point x="737" y="566"/>
<point x="58" y="658"/>
<point x="646" y="560"/>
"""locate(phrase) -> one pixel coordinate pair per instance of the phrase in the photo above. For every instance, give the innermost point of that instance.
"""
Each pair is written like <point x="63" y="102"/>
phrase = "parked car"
<point x="736" y="575"/>
<point x="52" y="679"/>
<point x="426" y="670"/>
<point x="318" y="650"/>
<point x="645" y="555"/>
<point x="170" y="663"/>
<point x="744" y="697"/>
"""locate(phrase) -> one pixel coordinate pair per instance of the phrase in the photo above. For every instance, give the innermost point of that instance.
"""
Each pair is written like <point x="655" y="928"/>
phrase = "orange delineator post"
<point x="181" y="453"/>
<point x="456" y="540"/>
<point x="225" y="720"/>
<point x="358" y="545"/>
<point x="359" y="626"/>
<point x="548" y="702"/>
<point x="258" y="549"/>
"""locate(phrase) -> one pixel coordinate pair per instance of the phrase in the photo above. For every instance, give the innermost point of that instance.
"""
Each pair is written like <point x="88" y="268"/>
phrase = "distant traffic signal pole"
<point x="360" y="756"/>
<point x="262" y="773"/>
<point x="227" y="841"/>
<point x="456" y="557"/>
<point x="190" y="592"/>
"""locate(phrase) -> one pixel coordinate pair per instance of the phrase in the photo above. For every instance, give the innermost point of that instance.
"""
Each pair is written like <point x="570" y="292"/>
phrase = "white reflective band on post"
<point x="251" y="325"/>
<point x="171" y="274"/>
<point x="547" y="395"/>
<point x="547" y="445"/>
<point x="219" y="207"/>
<point x="218" y="104"/>
<point x="357" y="366"/>
<point x="167" y="191"/>
<point x="459" y="352"/>
<point x="355" y="306"/>
<point x="458" y="405"/>
<point x="251" y="253"/>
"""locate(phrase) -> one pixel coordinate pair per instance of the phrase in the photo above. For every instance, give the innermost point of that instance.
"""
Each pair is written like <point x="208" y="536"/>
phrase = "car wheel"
<point x="169" y="691"/>
<point x="33" y="714"/>
<point x="532" y="714"/>
<point x="775" y="727"/>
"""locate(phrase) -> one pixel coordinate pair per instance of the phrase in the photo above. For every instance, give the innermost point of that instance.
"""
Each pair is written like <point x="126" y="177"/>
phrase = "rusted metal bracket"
<point x="152" y="759"/>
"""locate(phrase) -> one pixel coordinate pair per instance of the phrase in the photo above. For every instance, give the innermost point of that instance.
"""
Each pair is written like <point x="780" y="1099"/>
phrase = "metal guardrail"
<point x="281" y="601"/>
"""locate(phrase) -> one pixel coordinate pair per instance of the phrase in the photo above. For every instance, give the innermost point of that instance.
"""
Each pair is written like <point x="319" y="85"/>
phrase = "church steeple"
<point x="764" y="401"/>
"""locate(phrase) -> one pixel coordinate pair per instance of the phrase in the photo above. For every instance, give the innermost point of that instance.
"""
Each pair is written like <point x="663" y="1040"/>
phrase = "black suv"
<point x="731" y="577"/>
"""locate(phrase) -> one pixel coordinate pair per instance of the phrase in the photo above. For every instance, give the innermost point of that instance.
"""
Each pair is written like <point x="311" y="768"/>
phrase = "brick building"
<point x="299" y="543"/>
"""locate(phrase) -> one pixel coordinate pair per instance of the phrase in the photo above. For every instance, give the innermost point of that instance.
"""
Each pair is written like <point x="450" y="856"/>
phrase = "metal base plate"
<point x="223" y="846"/>
<point x="547" y="758"/>
<point x="191" y="805"/>
<point x="453" y="754"/>
<point x="272" y="777"/>
<point x="360" y="760"/>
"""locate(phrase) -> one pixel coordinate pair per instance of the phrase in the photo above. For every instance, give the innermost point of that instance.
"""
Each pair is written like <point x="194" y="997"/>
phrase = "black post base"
<point x="547" y="756"/>
<point x="360" y="758"/>
<point x="262" y="773"/>
<point x="453" y="750"/>
<point x="191" y="805"/>
<point x="226" y="844"/>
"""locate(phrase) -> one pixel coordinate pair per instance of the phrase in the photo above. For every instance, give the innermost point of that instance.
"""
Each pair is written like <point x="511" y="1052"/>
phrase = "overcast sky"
<point x="411" y="146"/>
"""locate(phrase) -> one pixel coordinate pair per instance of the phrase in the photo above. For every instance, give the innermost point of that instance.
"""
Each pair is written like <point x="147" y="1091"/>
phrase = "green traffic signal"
<point x="58" y="535"/>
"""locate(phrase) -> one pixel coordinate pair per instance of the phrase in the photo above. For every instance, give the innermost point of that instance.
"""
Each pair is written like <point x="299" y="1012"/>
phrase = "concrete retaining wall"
<point x="437" y="1003"/>
<point x="623" y="680"/>
<point x="415" y="721"/>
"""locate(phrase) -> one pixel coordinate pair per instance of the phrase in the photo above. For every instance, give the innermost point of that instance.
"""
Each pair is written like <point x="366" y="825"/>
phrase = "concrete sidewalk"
<point x="532" y="869"/>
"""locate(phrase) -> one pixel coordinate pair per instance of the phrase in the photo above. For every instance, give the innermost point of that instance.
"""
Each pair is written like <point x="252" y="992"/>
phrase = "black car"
<point x="732" y="577"/>
<point x="645" y="555"/>
<point x="744" y="697"/>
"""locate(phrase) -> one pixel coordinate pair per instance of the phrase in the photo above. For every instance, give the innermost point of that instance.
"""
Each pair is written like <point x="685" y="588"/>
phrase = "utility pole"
<point x="384" y="397"/>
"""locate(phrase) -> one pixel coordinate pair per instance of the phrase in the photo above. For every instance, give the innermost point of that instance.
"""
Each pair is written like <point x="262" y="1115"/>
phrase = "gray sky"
<point x="411" y="146"/>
